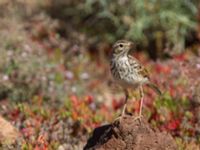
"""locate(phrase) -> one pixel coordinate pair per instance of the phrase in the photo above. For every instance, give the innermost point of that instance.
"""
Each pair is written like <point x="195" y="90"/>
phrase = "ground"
<point x="130" y="134"/>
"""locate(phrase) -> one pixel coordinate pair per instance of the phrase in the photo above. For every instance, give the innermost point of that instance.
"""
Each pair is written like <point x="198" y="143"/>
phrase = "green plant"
<point x="144" y="20"/>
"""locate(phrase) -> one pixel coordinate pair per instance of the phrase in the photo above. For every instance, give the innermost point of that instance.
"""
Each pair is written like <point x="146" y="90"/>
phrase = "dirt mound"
<point x="130" y="134"/>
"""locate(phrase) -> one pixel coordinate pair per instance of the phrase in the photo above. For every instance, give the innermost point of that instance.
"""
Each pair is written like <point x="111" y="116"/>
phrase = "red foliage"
<point x="89" y="99"/>
<point x="173" y="125"/>
<point x="116" y="104"/>
<point x="163" y="69"/>
<point x="74" y="100"/>
<point x="28" y="131"/>
<point x="42" y="144"/>
<point x="15" y="114"/>
<point x="180" y="57"/>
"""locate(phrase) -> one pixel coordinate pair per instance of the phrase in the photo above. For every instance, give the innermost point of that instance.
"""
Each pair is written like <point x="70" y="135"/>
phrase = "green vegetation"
<point x="167" y="23"/>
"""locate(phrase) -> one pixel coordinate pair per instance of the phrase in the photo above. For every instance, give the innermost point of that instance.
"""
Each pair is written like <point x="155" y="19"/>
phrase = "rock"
<point x="8" y="133"/>
<point x="130" y="134"/>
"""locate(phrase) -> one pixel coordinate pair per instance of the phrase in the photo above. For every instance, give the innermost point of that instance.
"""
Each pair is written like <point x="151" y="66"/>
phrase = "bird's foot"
<point x="139" y="117"/>
<point x="118" y="119"/>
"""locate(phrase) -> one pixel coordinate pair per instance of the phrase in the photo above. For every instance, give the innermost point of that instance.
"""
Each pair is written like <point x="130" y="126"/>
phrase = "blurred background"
<point x="55" y="83"/>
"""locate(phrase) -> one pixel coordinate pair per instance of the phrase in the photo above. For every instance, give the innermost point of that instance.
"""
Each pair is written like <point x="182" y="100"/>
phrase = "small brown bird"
<point x="128" y="72"/>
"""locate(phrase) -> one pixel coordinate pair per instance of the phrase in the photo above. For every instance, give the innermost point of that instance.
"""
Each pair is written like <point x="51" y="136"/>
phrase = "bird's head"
<point x="122" y="47"/>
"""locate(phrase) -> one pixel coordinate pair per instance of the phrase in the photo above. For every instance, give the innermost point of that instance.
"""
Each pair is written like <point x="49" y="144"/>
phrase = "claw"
<point x="138" y="118"/>
<point x="119" y="119"/>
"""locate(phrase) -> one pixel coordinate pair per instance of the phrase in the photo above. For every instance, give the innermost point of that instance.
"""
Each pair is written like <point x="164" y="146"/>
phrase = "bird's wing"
<point x="141" y="70"/>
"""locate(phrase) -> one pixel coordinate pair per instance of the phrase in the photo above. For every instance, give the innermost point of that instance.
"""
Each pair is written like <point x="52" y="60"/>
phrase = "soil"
<point x="130" y="134"/>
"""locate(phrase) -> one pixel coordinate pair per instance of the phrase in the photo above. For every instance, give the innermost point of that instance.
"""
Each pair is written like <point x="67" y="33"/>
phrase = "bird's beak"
<point x="131" y="45"/>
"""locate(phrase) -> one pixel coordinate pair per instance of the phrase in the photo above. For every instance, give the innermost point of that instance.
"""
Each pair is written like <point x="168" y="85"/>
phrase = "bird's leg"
<point x="124" y="106"/>
<point x="141" y="101"/>
<point x="141" y="104"/>
<point x="125" y="102"/>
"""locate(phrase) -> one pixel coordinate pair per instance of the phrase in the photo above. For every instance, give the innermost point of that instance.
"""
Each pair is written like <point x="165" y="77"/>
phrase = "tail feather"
<point x="155" y="88"/>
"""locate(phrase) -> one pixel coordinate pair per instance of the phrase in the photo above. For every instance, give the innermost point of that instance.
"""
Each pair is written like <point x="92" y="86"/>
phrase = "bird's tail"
<point x="155" y="88"/>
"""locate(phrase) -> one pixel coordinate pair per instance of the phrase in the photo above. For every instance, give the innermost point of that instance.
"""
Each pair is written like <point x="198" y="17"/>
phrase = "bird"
<point x="129" y="73"/>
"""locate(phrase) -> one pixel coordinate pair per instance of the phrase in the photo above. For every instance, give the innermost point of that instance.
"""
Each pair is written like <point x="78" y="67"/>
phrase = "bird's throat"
<point x="121" y="55"/>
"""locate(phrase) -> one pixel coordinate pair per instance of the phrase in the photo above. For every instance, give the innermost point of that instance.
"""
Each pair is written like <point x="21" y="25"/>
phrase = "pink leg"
<point x="125" y="102"/>
<point x="141" y="104"/>
<point x="141" y="101"/>
<point x="124" y="107"/>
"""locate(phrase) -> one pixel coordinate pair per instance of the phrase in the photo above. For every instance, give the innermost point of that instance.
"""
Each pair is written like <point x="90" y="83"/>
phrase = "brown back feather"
<point x="141" y="70"/>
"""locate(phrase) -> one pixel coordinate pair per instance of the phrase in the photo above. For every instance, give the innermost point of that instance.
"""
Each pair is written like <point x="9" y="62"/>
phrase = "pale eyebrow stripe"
<point x="117" y="44"/>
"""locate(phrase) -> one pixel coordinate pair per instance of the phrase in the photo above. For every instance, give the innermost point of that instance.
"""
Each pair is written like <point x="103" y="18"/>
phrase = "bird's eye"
<point x="120" y="45"/>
